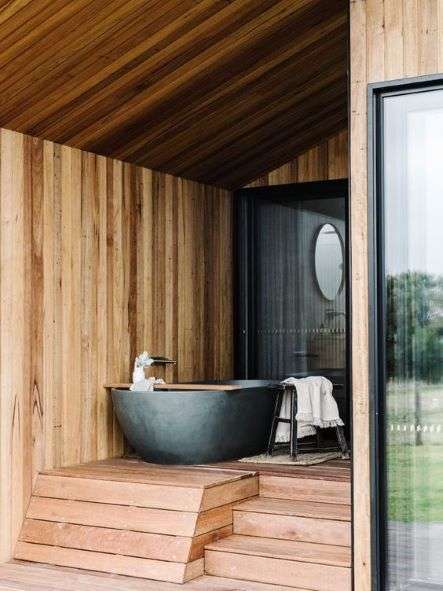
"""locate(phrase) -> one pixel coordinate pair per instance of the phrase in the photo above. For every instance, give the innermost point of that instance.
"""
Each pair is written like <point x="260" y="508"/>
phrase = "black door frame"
<point x="245" y="262"/>
<point x="377" y="307"/>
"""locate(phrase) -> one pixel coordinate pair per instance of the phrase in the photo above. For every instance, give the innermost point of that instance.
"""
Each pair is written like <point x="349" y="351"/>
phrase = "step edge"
<point x="248" y="507"/>
<point x="219" y="546"/>
<point x="282" y="558"/>
<point x="301" y="497"/>
<point x="181" y="565"/>
<point x="302" y="541"/>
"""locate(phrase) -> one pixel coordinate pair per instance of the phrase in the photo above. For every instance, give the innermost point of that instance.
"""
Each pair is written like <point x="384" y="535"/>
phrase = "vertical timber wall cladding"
<point x="390" y="39"/>
<point x="99" y="259"/>
<point x="327" y="161"/>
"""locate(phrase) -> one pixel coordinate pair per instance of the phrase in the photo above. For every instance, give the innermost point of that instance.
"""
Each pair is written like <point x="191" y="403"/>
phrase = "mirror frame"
<point x="343" y="274"/>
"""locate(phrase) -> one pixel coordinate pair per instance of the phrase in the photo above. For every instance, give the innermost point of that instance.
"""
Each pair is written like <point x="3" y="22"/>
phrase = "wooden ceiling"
<point x="219" y="91"/>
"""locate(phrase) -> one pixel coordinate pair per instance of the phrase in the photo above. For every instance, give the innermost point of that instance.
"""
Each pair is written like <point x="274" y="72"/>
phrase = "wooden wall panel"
<point x="326" y="161"/>
<point x="15" y="393"/>
<point x="389" y="39"/>
<point x="99" y="260"/>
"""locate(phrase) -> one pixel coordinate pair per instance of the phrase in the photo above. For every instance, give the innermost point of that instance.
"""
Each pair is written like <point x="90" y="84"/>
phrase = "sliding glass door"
<point x="291" y="295"/>
<point x="409" y="336"/>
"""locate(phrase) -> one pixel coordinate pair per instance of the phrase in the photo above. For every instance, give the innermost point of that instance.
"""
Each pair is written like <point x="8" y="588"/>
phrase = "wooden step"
<point x="300" y="508"/>
<point x="20" y="576"/>
<point x="210" y="583"/>
<point x="173" y="572"/>
<point x="305" y="489"/>
<point x="284" y="549"/>
<point x="125" y="542"/>
<point x="156" y="520"/>
<point x="294" y="520"/>
<point x="280" y="562"/>
<point x="141" y="519"/>
<point x="129" y="482"/>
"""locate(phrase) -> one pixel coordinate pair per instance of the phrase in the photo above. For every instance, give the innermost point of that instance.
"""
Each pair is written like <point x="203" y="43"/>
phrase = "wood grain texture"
<point x="277" y="571"/>
<point x="118" y="493"/>
<point x="175" y="572"/>
<point x="37" y="577"/>
<point x="389" y="39"/>
<point x="290" y="527"/>
<point x="215" y="91"/>
<point x="131" y="470"/>
<point x="311" y="509"/>
<point x="284" y="549"/>
<point x="196" y="387"/>
<point x="339" y="470"/>
<point x="81" y="516"/>
<point x="108" y="540"/>
<point x="326" y="161"/>
<point x="158" y="521"/>
<point x="100" y="260"/>
<point x="304" y="489"/>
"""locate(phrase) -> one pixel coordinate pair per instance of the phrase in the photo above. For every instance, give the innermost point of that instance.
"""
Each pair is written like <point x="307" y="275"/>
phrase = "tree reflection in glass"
<point x="413" y="247"/>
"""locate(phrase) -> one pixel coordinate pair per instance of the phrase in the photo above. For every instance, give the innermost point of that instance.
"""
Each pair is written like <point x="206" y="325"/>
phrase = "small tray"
<point x="213" y="387"/>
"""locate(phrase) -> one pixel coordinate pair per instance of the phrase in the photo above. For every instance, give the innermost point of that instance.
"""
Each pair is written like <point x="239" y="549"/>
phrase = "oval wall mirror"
<point x="329" y="261"/>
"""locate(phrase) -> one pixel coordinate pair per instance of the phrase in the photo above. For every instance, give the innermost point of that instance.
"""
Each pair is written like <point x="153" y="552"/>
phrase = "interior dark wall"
<point x="285" y="325"/>
<point x="292" y="315"/>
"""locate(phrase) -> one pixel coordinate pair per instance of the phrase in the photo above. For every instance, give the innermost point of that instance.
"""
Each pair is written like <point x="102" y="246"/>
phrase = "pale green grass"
<point x="415" y="481"/>
<point x="415" y="472"/>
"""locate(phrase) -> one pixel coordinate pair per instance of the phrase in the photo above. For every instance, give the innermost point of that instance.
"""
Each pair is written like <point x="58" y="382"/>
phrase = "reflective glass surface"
<point x="413" y="250"/>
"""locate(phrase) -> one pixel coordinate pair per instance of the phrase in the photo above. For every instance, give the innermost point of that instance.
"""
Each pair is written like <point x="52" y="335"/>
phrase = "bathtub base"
<point x="197" y="427"/>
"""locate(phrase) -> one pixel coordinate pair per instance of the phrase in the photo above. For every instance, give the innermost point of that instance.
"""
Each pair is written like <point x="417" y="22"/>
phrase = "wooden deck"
<point x="225" y="527"/>
<point x="335" y="470"/>
<point x="22" y="576"/>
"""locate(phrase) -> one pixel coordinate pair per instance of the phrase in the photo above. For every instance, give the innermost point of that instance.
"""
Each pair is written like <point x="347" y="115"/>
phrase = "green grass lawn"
<point x="415" y="480"/>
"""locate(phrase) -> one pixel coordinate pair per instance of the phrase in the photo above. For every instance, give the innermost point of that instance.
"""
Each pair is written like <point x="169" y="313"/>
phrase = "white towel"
<point x="316" y="407"/>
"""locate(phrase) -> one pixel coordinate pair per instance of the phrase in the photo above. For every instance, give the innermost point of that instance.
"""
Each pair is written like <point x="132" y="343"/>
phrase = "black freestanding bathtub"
<point x="195" y="426"/>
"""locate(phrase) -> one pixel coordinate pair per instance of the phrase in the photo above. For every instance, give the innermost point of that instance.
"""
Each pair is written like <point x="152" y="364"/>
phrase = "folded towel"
<point x="316" y="407"/>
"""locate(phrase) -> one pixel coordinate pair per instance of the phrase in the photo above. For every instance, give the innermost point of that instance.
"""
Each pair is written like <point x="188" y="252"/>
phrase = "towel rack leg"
<point x="293" y="425"/>
<point x="342" y="442"/>
<point x="274" y="424"/>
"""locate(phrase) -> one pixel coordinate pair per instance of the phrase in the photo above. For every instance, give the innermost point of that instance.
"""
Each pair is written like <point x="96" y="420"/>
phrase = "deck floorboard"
<point x="22" y="576"/>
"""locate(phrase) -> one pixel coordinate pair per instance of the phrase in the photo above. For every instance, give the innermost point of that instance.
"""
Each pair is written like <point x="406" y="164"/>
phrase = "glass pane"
<point x="413" y="245"/>
<point x="299" y="329"/>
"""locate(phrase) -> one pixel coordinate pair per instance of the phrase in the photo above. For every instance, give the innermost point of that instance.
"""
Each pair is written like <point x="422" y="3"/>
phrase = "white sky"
<point x="414" y="182"/>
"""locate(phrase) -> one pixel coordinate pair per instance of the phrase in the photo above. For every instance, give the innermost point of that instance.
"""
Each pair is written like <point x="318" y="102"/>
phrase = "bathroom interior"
<point x="290" y="308"/>
<point x="205" y="223"/>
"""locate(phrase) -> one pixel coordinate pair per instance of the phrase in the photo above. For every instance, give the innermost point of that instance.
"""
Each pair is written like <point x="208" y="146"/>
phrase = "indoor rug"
<point x="303" y="459"/>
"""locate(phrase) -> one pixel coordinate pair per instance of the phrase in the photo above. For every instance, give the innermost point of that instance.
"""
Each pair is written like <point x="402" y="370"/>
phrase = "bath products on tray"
<point x="139" y="381"/>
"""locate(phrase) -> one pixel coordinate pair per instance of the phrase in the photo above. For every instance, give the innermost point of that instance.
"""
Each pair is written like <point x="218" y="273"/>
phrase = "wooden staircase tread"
<point x="111" y="541"/>
<point x="36" y="577"/>
<point x="333" y="470"/>
<point x="314" y="510"/>
<point x="212" y="583"/>
<point x="111" y="563"/>
<point x="284" y="549"/>
<point x="292" y="527"/>
<point x="141" y="519"/>
<point x="312" y="490"/>
<point x="276" y="571"/>
<point x="142" y="472"/>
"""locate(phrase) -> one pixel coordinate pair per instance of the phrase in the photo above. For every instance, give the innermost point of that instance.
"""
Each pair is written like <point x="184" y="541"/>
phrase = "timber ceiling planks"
<point x="218" y="91"/>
